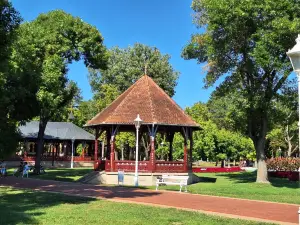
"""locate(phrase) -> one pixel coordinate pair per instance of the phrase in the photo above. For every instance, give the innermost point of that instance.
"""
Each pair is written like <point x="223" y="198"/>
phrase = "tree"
<point x="125" y="66"/>
<point x="246" y="42"/>
<point x="54" y="40"/>
<point x="16" y="103"/>
<point x="227" y="111"/>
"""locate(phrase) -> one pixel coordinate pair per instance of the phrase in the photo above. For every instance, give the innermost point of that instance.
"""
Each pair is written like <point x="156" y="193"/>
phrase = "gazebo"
<point x="159" y="113"/>
<point x="58" y="138"/>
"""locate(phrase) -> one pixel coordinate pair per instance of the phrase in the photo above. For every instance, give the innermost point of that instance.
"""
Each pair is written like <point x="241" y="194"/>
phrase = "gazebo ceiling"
<point x="148" y="100"/>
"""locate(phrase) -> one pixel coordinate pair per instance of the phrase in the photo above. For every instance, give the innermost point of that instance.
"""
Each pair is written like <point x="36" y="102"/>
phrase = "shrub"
<point x="283" y="164"/>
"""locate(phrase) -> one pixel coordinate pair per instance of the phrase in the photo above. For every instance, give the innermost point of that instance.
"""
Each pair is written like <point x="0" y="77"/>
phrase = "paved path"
<point x="230" y="207"/>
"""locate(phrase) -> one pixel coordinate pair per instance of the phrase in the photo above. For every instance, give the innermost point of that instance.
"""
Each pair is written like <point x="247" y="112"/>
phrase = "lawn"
<point x="60" y="174"/>
<point x="242" y="185"/>
<point x="28" y="207"/>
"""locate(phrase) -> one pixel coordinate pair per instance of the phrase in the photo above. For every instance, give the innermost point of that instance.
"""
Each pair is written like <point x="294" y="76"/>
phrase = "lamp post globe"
<point x="294" y="55"/>
<point x="137" y="122"/>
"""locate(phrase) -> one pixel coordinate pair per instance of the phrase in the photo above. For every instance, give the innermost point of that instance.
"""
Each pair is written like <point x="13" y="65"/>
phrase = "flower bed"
<point x="284" y="168"/>
<point x="216" y="169"/>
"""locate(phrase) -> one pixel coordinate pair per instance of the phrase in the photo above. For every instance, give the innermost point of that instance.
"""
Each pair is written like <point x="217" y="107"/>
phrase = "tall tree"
<point x="54" y="40"/>
<point x="125" y="66"/>
<point x="246" y="41"/>
<point x="16" y="102"/>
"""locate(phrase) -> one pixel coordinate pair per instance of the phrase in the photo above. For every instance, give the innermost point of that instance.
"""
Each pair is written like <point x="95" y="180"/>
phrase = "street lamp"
<point x="137" y="123"/>
<point x="294" y="55"/>
<point x="72" y="157"/>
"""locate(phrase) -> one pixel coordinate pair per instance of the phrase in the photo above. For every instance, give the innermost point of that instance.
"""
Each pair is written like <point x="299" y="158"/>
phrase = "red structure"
<point x="160" y="114"/>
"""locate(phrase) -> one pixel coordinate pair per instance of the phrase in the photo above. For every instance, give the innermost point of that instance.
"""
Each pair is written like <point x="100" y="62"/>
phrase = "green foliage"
<point x="82" y="148"/>
<point x="45" y="47"/>
<point x="56" y="39"/>
<point x="15" y="87"/>
<point x="217" y="143"/>
<point x="246" y="42"/>
<point x="125" y="66"/>
<point x="283" y="164"/>
<point x="125" y="138"/>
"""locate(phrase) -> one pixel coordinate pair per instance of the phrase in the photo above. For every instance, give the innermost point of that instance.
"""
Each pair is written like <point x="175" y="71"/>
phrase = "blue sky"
<point x="166" y="25"/>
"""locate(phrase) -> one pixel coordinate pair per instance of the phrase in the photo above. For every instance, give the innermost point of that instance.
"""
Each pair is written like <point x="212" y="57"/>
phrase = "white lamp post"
<point x="294" y="55"/>
<point x="137" y="123"/>
<point x="72" y="156"/>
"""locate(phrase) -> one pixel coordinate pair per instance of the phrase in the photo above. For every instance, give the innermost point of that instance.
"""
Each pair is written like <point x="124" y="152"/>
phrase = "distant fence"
<point x="216" y="169"/>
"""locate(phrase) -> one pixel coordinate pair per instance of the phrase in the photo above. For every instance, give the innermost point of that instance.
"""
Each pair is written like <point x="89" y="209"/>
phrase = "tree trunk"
<point x="130" y="153"/>
<point x="42" y="127"/>
<point x="122" y="152"/>
<point x="222" y="163"/>
<point x="146" y="146"/>
<point x="262" y="172"/>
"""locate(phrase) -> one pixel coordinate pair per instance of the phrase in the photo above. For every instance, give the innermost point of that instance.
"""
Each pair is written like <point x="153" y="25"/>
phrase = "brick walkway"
<point x="235" y="208"/>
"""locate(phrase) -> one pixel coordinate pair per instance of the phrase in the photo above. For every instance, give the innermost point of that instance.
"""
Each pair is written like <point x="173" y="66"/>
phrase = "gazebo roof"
<point x="148" y="100"/>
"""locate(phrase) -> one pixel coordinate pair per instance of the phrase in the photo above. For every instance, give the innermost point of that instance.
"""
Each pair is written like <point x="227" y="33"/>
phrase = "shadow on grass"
<point x="20" y="207"/>
<point x="250" y="177"/>
<point x="61" y="174"/>
<point x="207" y="179"/>
<point x="78" y="189"/>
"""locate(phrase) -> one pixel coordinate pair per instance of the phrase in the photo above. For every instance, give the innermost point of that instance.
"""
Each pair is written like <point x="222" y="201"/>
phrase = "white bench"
<point x="173" y="180"/>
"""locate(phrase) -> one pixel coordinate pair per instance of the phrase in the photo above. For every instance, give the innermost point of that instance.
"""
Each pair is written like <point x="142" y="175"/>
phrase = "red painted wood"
<point x="145" y="166"/>
<point x="185" y="157"/>
<point x="170" y="167"/>
<point x="152" y="156"/>
<point x="96" y="163"/>
<point x="215" y="169"/>
<point x="112" y="154"/>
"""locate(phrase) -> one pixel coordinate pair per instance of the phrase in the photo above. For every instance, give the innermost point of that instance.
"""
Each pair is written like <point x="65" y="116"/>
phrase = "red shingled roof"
<point x="146" y="98"/>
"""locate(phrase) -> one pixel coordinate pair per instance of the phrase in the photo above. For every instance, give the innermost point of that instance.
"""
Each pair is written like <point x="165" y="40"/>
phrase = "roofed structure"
<point x="148" y="100"/>
<point x="55" y="131"/>
<point x="160" y="114"/>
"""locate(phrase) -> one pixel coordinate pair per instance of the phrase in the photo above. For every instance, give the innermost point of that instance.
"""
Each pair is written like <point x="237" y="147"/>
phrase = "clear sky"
<point x="165" y="24"/>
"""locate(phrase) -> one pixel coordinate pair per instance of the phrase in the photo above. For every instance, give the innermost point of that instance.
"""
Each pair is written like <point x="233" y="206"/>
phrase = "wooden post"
<point x="96" y="163"/>
<point x="190" y="161"/>
<point x="185" y="156"/>
<point x="112" y="153"/>
<point x="152" y="154"/>
<point x="53" y="156"/>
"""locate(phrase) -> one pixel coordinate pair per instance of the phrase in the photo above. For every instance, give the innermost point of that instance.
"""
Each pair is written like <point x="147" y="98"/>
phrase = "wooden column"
<point x="152" y="154"/>
<point x="96" y="162"/>
<point x="190" y="160"/>
<point x="152" y="132"/>
<point x="185" y="156"/>
<point x="53" y="146"/>
<point x="107" y="153"/>
<point x="185" y="134"/>
<point x="112" y="153"/>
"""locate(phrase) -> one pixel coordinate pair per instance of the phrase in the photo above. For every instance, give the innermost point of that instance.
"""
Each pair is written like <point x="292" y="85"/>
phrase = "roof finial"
<point x="145" y="69"/>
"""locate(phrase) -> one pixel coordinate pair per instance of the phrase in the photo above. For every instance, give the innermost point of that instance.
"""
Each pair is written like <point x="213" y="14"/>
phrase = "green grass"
<point x="242" y="185"/>
<point x="28" y="207"/>
<point x="60" y="174"/>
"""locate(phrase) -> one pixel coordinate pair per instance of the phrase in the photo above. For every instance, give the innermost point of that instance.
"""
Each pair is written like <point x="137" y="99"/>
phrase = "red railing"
<point x="144" y="166"/>
<point x="50" y="158"/>
<point x="127" y="165"/>
<point x="169" y="166"/>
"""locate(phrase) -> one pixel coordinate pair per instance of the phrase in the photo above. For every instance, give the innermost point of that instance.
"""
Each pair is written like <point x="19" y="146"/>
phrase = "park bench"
<point x="173" y="180"/>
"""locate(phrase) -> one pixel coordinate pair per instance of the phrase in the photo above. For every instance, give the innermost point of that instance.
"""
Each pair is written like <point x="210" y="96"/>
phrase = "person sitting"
<point x="19" y="170"/>
<point x="3" y="169"/>
<point x="25" y="169"/>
